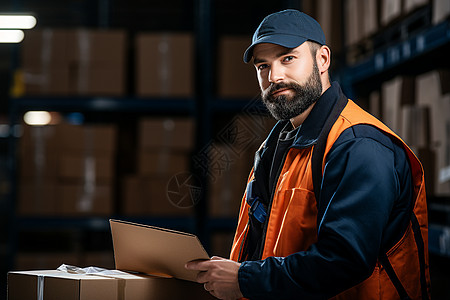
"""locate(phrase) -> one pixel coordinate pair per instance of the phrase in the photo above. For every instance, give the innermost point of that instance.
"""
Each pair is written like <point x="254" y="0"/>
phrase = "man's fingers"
<point x="217" y="258"/>
<point x="197" y="265"/>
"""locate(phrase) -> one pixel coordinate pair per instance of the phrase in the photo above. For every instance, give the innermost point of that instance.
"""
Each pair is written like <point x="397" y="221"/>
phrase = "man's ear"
<point x="323" y="58"/>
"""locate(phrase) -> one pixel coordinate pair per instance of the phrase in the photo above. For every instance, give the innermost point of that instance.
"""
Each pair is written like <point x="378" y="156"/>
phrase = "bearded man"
<point x="335" y="204"/>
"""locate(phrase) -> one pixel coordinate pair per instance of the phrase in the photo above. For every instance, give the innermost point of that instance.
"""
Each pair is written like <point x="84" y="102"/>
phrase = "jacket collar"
<point x="312" y="126"/>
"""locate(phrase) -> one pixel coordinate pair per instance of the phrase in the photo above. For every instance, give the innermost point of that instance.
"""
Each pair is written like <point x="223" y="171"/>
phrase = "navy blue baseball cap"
<point x="288" y="28"/>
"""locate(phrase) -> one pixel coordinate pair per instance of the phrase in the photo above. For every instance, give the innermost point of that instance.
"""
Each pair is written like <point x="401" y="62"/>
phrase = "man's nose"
<point x="275" y="74"/>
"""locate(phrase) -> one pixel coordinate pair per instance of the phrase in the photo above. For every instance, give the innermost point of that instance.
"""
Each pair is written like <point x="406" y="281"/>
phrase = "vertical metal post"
<point x="204" y="95"/>
<point x="103" y="13"/>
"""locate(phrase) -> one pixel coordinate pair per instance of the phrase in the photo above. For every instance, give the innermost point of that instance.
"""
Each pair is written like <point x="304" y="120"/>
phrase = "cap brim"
<point x="288" y="41"/>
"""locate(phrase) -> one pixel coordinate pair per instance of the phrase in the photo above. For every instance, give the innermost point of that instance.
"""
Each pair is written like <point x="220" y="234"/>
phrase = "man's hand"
<point x="219" y="276"/>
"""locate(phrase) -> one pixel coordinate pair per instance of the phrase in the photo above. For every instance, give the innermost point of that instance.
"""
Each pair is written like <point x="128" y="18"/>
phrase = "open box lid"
<point x="153" y="250"/>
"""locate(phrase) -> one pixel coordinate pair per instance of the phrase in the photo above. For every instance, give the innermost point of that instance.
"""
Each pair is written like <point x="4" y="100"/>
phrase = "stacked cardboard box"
<point x="432" y="94"/>
<point x="395" y="94"/>
<point x="441" y="11"/>
<point x="164" y="65"/>
<point x="62" y="62"/>
<point x="330" y="18"/>
<point x="67" y="169"/>
<point x="163" y="154"/>
<point x="235" y="78"/>
<point x="417" y="110"/>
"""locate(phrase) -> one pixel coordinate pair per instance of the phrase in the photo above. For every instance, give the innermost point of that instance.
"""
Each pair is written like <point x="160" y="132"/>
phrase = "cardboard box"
<point x="370" y="17"/>
<point x="149" y="196"/>
<point x="236" y="78"/>
<point x="163" y="162"/>
<point x="45" y="49"/>
<point x="415" y="126"/>
<point x="98" y="46"/>
<point x="87" y="139"/>
<point x="428" y="94"/>
<point x="353" y="26"/>
<point x="80" y="168"/>
<point x="85" y="199"/>
<point x="411" y="5"/>
<point x="443" y="149"/>
<point x="396" y="93"/>
<point x="390" y="11"/>
<point x="440" y="11"/>
<point x="97" y="80"/>
<point x="56" y="285"/>
<point x="46" y="81"/>
<point x="164" y="65"/>
<point x="166" y="133"/>
<point x="97" y="60"/>
<point x="74" y="62"/>
<point x="330" y="19"/>
<point x="37" y="198"/>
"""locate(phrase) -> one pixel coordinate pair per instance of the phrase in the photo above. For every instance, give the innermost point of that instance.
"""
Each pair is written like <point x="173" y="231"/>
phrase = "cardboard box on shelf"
<point x="85" y="199"/>
<point x="53" y="284"/>
<point x="37" y="197"/>
<point x="97" y="80"/>
<point x="45" y="49"/>
<point x="330" y="19"/>
<point x="415" y="126"/>
<point x="34" y="137"/>
<point x="440" y="11"/>
<point x="98" y="46"/>
<point x="150" y="196"/>
<point x="84" y="62"/>
<point x="162" y="162"/>
<point x="428" y="94"/>
<point x="166" y="133"/>
<point x="87" y="139"/>
<point x="390" y="11"/>
<point x="52" y="81"/>
<point x="353" y="26"/>
<point x="97" y="62"/>
<point x="80" y="168"/>
<point x="370" y="17"/>
<point x="443" y="149"/>
<point x="394" y="94"/>
<point x="236" y="78"/>
<point x="411" y="5"/>
<point x="38" y="163"/>
<point x="164" y="65"/>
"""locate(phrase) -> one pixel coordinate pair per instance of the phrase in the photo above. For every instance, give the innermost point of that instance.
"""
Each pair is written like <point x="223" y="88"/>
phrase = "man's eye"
<point x="288" y="58"/>
<point x="262" y="67"/>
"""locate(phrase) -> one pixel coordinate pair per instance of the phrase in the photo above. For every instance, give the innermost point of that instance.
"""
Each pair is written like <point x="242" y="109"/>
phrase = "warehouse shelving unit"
<point x="395" y="58"/>
<point x="201" y="107"/>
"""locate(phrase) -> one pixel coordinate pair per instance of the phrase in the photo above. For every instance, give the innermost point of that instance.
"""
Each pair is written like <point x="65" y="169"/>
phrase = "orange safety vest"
<point x="292" y="224"/>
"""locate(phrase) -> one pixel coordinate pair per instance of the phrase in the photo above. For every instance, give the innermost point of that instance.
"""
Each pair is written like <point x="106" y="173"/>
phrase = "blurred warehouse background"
<point x="144" y="111"/>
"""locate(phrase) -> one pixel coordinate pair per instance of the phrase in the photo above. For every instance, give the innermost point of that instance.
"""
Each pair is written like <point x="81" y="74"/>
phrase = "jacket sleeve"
<point x="359" y="188"/>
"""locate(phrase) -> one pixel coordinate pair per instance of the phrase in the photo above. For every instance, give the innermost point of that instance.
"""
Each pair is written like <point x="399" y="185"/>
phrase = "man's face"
<point x="289" y="79"/>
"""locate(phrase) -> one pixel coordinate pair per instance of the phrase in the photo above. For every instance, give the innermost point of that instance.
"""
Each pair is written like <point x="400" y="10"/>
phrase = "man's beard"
<point x="284" y="107"/>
